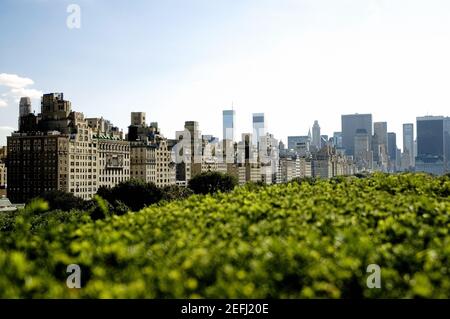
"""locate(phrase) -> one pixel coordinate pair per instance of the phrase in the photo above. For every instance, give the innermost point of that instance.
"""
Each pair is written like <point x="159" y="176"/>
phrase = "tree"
<point x="57" y="199"/>
<point x="136" y="194"/>
<point x="307" y="179"/>
<point x="212" y="182"/>
<point x="175" y="192"/>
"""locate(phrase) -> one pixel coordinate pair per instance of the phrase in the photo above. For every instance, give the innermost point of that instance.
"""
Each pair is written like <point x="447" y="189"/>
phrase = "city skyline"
<point x="294" y="61"/>
<point x="24" y="104"/>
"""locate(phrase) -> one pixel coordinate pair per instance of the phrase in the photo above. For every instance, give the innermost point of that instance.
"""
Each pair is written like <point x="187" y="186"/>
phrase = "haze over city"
<point x="296" y="61"/>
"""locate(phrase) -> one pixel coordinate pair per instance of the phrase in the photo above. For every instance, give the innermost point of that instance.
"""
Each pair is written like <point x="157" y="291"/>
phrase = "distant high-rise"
<point x="392" y="146"/>
<point x="392" y="151"/>
<point x="408" y="143"/>
<point x="350" y="124"/>
<point x="229" y="117"/>
<point x="324" y="140"/>
<point x="300" y="144"/>
<point x="316" y="140"/>
<point x="138" y="118"/>
<point x="379" y="143"/>
<point x="24" y="106"/>
<point x="259" y="127"/>
<point x="26" y="117"/>
<point x="432" y="142"/>
<point x="337" y="139"/>
<point x="362" y="152"/>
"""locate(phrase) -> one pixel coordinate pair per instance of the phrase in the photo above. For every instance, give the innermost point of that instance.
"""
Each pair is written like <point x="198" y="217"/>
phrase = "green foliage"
<point x="134" y="194"/>
<point x="174" y="192"/>
<point x="101" y="210"/>
<point x="63" y="201"/>
<point x="301" y="180"/>
<point x="212" y="182"/>
<point x="297" y="240"/>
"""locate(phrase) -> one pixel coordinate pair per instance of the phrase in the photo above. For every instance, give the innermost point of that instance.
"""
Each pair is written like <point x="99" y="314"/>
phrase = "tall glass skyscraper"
<point x="352" y="123"/>
<point x="433" y="144"/>
<point x="259" y="127"/>
<point x="229" y="118"/>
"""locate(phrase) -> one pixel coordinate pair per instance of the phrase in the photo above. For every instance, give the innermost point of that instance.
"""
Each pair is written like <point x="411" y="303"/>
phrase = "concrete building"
<point x="316" y="140"/>
<point x="3" y="171"/>
<point x="380" y="146"/>
<point x="329" y="162"/>
<point x="150" y="153"/>
<point x="57" y="150"/>
<point x="299" y="144"/>
<point x="249" y="169"/>
<point x="362" y="151"/>
<point x="392" y="151"/>
<point x="408" y="160"/>
<point x="288" y="169"/>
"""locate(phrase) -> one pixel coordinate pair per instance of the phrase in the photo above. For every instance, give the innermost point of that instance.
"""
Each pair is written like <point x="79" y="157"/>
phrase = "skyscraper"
<point x="229" y="124"/>
<point x="431" y="144"/>
<point x="408" y="143"/>
<point x="392" y="151"/>
<point x="392" y="146"/>
<point x="337" y="139"/>
<point x="379" y="144"/>
<point x="316" y="135"/>
<point x="24" y="106"/>
<point x="350" y="124"/>
<point x="259" y="127"/>
<point x="362" y="152"/>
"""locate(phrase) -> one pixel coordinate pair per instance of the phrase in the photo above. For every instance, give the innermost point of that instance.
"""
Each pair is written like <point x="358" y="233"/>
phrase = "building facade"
<point x="433" y="144"/>
<point x="259" y="127"/>
<point x="229" y="124"/>
<point x="3" y="171"/>
<point x="408" y="160"/>
<point x="150" y="153"/>
<point x="59" y="150"/>
<point x="350" y="125"/>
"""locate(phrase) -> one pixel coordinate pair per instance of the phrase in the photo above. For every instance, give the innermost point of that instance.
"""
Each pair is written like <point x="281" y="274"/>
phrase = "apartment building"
<point x="60" y="149"/>
<point x="3" y="172"/>
<point x="150" y="153"/>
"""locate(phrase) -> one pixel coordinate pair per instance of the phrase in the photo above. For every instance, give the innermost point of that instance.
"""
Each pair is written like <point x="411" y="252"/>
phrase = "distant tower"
<point x="24" y="106"/>
<point x="229" y="118"/>
<point x="316" y="135"/>
<point x="24" y="109"/>
<point x="138" y="118"/>
<point x="259" y="127"/>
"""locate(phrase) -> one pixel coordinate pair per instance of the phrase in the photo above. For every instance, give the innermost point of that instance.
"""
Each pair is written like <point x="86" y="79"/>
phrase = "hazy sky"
<point x="178" y="60"/>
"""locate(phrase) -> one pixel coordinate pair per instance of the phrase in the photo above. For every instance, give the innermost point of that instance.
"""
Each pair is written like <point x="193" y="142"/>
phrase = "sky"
<point x="177" y="60"/>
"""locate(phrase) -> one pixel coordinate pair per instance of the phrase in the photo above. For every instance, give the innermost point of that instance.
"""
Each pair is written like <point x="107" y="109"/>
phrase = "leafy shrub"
<point x="175" y="192"/>
<point x="301" y="180"/>
<point x="134" y="193"/>
<point x="282" y="241"/>
<point x="212" y="182"/>
<point x="59" y="200"/>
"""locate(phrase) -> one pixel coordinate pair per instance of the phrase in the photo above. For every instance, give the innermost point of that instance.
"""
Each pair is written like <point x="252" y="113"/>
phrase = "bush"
<point x="175" y="192"/>
<point x="282" y="241"/>
<point x="135" y="194"/>
<point x="59" y="200"/>
<point x="301" y="180"/>
<point x="212" y="182"/>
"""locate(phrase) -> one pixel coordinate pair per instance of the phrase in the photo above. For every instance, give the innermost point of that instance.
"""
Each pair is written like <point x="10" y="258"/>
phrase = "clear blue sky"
<point x="177" y="60"/>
